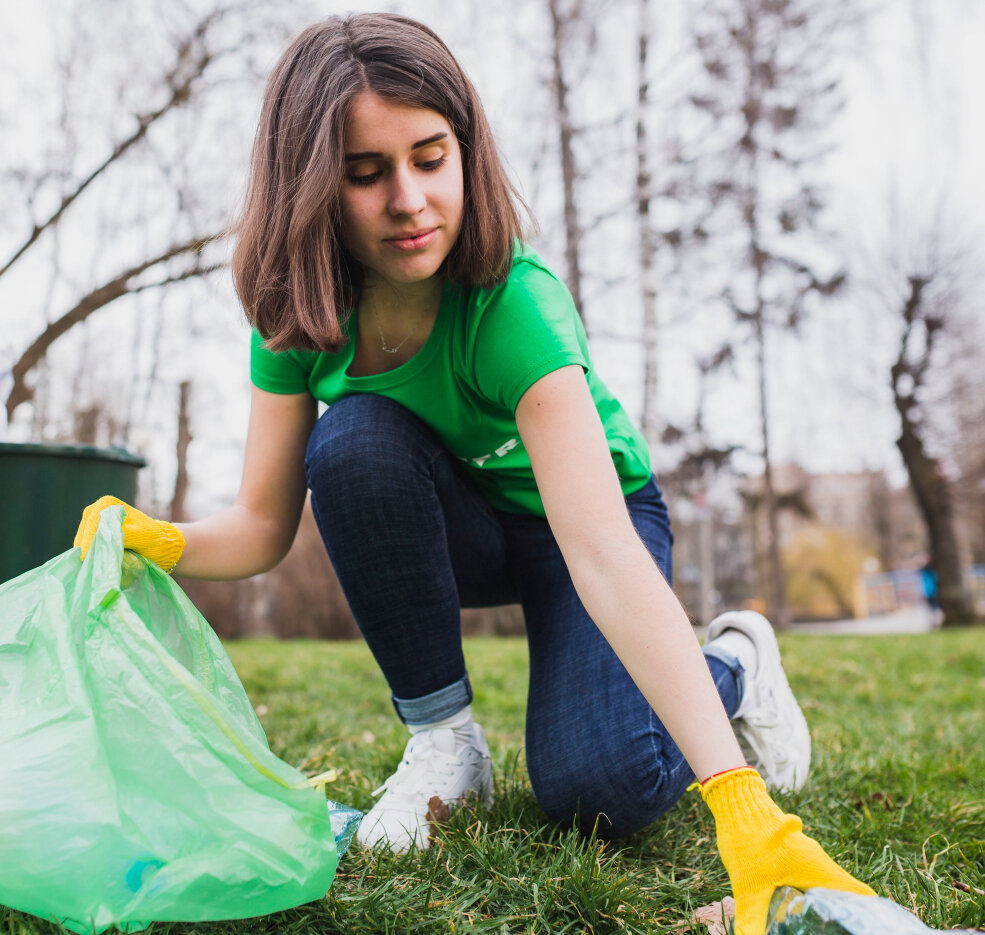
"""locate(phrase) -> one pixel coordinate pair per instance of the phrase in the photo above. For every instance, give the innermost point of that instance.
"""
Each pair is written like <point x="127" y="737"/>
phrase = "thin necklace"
<point x="379" y="327"/>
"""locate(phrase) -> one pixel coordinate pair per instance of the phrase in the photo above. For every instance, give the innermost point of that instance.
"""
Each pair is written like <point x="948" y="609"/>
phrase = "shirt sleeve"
<point x="278" y="373"/>
<point x="529" y="327"/>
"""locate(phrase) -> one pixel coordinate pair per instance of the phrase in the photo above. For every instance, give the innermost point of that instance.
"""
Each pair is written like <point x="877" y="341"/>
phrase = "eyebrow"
<point x="356" y="157"/>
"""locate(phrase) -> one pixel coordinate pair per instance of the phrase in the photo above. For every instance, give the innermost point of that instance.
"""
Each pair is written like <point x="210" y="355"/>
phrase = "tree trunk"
<point x="777" y="597"/>
<point x="930" y="487"/>
<point x="933" y="497"/>
<point x="184" y="440"/>
<point x="759" y="257"/>
<point x="572" y="229"/>
<point x="648" y="271"/>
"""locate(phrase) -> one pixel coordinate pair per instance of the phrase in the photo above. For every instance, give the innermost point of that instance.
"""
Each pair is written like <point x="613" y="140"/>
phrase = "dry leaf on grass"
<point x="716" y="916"/>
<point x="438" y="814"/>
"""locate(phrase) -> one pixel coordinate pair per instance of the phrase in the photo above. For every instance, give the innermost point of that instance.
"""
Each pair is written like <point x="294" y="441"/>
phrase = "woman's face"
<point x="403" y="194"/>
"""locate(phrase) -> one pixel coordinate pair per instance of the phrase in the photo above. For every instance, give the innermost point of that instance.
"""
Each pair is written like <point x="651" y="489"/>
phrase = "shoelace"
<point x="416" y="773"/>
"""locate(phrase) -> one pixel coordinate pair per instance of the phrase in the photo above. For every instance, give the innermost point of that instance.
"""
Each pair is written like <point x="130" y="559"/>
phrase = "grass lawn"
<point x="897" y="796"/>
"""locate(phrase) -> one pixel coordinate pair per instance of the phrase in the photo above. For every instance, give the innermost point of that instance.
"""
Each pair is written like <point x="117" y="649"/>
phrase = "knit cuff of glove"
<point x="741" y="793"/>
<point x="162" y="544"/>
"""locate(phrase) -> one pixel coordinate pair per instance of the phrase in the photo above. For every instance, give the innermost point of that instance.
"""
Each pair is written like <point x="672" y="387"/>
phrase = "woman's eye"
<point x="432" y="164"/>
<point x="366" y="179"/>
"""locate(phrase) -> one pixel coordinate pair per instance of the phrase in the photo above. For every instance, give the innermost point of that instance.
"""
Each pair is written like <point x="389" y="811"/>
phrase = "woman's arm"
<point x="255" y="533"/>
<point x="614" y="574"/>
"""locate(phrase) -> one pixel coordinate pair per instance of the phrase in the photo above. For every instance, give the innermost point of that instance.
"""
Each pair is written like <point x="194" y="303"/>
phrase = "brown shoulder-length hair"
<point x="297" y="283"/>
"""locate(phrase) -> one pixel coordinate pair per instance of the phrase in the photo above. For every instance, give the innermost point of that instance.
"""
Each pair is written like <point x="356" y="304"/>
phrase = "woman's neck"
<point x="400" y="302"/>
<point x="393" y="324"/>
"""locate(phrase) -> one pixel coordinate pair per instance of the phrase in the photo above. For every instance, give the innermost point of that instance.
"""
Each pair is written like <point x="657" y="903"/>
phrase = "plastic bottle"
<point x="833" y="912"/>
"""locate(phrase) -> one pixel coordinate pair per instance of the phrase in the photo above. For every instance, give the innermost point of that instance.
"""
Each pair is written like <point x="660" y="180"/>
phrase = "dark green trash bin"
<point x="46" y="488"/>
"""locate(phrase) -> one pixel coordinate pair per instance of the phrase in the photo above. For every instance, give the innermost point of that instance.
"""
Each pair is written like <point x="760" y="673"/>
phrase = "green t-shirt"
<point x="486" y="348"/>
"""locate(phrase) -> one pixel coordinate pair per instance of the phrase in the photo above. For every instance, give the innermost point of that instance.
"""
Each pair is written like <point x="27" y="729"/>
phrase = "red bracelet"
<point x="731" y="769"/>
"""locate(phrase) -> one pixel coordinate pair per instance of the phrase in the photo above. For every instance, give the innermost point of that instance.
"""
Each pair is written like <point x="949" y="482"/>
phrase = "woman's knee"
<point x="364" y="436"/>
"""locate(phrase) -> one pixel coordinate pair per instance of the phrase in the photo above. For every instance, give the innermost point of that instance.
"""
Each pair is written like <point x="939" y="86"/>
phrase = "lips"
<point x="413" y="240"/>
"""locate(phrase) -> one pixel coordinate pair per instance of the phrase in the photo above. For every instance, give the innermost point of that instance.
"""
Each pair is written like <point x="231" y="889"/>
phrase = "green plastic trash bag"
<point x="136" y="783"/>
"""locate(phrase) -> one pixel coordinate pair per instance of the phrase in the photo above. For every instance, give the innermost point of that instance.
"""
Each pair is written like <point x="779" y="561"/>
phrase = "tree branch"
<point x="192" y="60"/>
<point x="97" y="299"/>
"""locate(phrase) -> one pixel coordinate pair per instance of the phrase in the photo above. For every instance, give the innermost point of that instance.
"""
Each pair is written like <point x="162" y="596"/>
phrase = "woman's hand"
<point x="256" y="531"/>
<point x="763" y="848"/>
<point x="155" y="539"/>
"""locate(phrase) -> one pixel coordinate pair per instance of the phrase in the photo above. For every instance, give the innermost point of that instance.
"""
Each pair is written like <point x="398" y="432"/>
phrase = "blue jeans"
<point x="413" y="541"/>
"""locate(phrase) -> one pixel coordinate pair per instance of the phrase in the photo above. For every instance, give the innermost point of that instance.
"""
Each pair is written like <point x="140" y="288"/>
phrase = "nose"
<point x="406" y="194"/>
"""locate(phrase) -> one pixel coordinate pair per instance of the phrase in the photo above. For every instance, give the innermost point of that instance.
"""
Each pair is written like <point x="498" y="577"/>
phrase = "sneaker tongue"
<point x="442" y="739"/>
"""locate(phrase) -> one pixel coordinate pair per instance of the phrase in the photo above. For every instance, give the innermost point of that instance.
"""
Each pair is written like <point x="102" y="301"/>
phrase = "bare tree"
<point x="647" y="234"/>
<point x="193" y="56"/>
<point x="918" y="271"/>
<point x="571" y="21"/>
<point x="85" y="204"/>
<point x="769" y="88"/>
<point x="560" y="24"/>
<point x="127" y="283"/>
<point x="924" y="315"/>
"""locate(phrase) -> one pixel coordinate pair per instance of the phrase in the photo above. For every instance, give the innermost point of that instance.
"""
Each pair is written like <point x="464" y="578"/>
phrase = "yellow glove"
<point x="155" y="539"/>
<point x="764" y="848"/>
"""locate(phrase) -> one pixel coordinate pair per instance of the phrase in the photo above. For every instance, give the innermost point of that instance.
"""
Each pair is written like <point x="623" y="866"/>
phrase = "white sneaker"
<point x="435" y="765"/>
<point x="769" y="724"/>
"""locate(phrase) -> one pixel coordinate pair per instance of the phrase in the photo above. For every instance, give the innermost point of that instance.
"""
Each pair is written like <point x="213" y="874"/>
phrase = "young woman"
<point x="471" y="456"/>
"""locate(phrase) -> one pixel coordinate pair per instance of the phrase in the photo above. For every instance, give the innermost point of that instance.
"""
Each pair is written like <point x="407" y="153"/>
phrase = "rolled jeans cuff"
<point x="434" y="707"/>
<point x="725" y="657"/>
